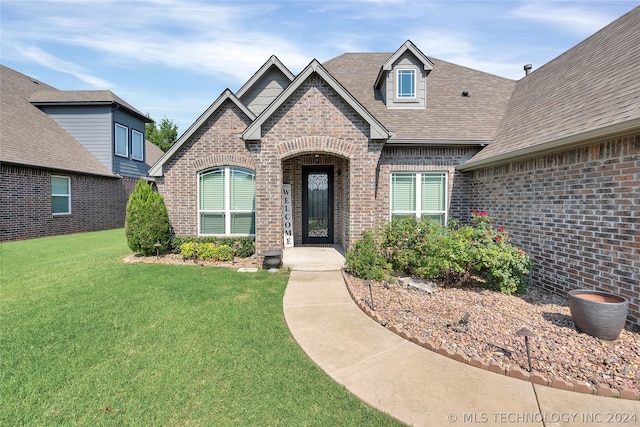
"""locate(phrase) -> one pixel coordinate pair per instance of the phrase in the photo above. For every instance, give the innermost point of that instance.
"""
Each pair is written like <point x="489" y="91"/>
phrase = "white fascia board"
<point x="157" y="168"/>
<point x="571" y="141"/>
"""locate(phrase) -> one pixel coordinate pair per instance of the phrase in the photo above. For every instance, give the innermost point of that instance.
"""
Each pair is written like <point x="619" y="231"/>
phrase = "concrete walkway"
<point x="413" y="384"/>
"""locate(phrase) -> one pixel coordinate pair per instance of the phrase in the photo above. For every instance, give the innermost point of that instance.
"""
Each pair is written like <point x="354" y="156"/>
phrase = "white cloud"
<point x="47" y="60"/>
<point x="578" y="20"/>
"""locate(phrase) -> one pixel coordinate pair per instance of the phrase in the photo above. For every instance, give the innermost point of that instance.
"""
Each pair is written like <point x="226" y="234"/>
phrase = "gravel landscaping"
<point x="489" y="332"/>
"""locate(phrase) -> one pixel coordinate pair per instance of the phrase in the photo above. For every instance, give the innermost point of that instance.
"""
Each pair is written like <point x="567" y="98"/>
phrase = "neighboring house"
<point x="365" y="136"/>
<point x="69" y="159"/>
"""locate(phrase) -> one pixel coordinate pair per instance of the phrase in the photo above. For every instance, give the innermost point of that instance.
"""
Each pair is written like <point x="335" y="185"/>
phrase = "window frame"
<point x="133" y="148"/>
<point x="67" y="195"/>
<point x="417" y="197"/>
<point x="115" y="141"/>
<point x="414" y="74"/>
<point x="226" y="211"/>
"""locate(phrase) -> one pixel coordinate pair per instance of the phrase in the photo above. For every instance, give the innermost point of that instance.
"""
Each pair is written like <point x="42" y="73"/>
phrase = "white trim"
<point x="227" y="212"/>
<point x="133" y="133"/>
<point x="115" y="141"/>
<point x="418" y="195"/>
<point x="67" y="195"/>
<point x="415" y="85"/>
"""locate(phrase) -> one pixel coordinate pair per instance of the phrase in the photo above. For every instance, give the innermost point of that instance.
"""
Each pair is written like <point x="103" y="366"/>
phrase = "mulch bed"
<point x="559" y="352"/>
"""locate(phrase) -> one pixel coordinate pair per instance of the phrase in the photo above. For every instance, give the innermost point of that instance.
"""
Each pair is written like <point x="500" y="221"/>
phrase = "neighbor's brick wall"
<point x="97" y="203"/>
<point x="216" y="143"/>
<point x="576" y="213"/>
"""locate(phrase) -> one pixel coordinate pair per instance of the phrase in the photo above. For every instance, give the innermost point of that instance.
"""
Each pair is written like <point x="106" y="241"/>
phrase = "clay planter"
<point x="598" y="314"/>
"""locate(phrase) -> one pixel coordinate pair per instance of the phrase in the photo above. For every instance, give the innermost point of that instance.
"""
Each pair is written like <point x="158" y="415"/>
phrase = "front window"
<point x="60" y="195"/>
<point x="421" y="194"/>
<point x="137" y="145"/>
<point x="226" y="202"/>
<point x="406" y="83"/>
<point x="122" y="141"/>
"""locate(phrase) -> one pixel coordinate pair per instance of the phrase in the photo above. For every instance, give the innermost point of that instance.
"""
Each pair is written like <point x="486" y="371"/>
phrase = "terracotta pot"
<point x="598" y="314"/>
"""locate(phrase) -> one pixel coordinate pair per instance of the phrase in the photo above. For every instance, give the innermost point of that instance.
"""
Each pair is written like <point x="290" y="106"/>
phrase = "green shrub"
<point x="365" y="259"/>
<point x="147" y="220"/>
<point x="241" y="247"/>
<point x="188" y="250"/>
<point x="475" y="254"/>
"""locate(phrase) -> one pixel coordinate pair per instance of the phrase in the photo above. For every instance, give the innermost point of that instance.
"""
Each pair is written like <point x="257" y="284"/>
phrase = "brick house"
<point x="318" y="157"/>
<point x="69" y="159"/>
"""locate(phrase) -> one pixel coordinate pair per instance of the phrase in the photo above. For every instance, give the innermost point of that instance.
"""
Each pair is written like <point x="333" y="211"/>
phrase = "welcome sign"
<point x="287" y="218"/>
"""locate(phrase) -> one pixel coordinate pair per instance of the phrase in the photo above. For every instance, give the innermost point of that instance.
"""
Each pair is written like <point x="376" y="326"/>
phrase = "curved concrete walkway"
<point x="418" y="386"/>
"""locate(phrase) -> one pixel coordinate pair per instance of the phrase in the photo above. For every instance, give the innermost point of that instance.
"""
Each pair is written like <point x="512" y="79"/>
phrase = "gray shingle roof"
<point x="83" y="97"/>
<point x="29" y="137"/>
<point x="591" y="88"/>
<point x="448" y="114"/>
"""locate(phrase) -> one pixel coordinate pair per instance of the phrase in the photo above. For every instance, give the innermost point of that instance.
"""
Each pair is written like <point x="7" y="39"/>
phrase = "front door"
<point x="317" y="204"/>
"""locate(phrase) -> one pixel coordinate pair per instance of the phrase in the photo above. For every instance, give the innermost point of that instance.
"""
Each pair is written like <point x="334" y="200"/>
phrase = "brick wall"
<point x="575" y="212"/>
<point x="315" y="119"/>
<point x="216" y="143"/>
<point x="97" y="203"/>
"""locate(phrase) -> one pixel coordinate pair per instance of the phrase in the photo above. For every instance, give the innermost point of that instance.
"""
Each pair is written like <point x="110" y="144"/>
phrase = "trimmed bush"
<point x="147" y="220"/>
<point x="470" y="255"/>
<point x="206" y="251"/>
<point x="365" y="259"/>
<point x="241" y="247"/>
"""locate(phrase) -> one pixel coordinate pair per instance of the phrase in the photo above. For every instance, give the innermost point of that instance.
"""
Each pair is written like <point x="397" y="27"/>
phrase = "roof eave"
<point x="157" y="169"/>
<point x="423" y="142"/>
<point x="571" y="141"/>
<point x="376" y="130"/>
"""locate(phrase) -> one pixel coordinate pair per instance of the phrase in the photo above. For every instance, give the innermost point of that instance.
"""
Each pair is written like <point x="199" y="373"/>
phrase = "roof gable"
<point x="272" y="62"/>
<point x="408" y="46"/>
<point x="254" y="131"/>
<point x="157" y="169"/>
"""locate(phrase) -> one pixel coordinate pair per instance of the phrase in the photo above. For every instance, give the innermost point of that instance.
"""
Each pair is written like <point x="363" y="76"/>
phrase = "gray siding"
<point x="122" y="165"/>
<point x="265" y="91"/>
<point x="91" y="127"/>
<point x="406" y="61"/>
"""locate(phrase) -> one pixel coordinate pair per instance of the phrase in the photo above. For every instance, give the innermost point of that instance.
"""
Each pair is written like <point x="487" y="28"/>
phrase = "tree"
<point x="147" y="220"/>
<point x="163" y="136"/>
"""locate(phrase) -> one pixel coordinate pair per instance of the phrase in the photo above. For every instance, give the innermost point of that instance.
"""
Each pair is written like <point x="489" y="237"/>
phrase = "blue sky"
<point x="173" y="58"/>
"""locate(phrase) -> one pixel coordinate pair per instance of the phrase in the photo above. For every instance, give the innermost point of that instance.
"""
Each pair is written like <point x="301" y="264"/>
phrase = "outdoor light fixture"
<point x="317" y="158"/>
<point x="157" y="246"/>
<point x="524" y="332"/>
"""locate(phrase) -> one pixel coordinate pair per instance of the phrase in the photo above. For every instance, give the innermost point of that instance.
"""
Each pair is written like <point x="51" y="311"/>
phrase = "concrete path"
<point x="418" y="386"/>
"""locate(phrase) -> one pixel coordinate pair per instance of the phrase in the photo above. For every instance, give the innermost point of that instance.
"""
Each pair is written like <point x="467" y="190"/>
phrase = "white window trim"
<point x="417" y="212"/>
<point x="67" y="195"/>
<point x="135" y="132"/>
<point x="415" y="84"/>
<point x="227" y="202"/>
<point x="115" y="141"/>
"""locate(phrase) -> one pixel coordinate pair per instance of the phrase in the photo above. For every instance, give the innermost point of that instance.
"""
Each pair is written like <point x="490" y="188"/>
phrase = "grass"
<point x="88" y="340"/>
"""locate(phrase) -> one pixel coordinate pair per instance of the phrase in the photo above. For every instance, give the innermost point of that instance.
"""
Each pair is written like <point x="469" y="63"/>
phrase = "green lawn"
<point x="89" y="340"/>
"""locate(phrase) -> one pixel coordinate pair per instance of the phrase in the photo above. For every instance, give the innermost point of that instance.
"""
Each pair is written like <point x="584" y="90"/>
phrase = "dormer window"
<point x="406" y="83"/>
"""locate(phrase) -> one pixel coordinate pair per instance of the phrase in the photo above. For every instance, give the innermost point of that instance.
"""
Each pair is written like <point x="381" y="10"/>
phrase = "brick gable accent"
<point x="215" y="143"/>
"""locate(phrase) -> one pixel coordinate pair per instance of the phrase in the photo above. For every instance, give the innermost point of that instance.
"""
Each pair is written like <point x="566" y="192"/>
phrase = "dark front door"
<point x="317" y="204"/>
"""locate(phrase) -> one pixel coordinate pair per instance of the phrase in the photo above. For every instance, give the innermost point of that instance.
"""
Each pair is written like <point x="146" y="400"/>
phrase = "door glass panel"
<point x="318" y="204"/>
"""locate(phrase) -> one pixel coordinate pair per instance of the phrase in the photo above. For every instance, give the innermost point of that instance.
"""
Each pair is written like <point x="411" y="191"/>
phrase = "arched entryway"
<point x="319" y="198"/>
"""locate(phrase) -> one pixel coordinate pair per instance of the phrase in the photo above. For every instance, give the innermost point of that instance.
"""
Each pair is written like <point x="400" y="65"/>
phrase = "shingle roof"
<point x="83" y="97"/>
<point x="592" y="89"/>
<point x="29" y="137"/>
<point x="448" y="115"/>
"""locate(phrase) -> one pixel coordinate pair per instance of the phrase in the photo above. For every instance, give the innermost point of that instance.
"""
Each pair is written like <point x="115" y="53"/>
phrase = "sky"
<point x="173" y="58"/>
